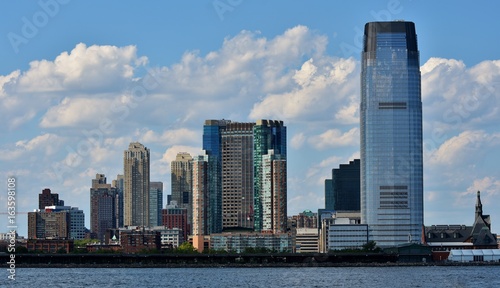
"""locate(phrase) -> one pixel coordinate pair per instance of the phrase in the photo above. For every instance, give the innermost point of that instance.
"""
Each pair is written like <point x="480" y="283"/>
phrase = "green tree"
<point x="186" y="248"/>
<point x="61" y="251"/>
<point x="371" y="246"/>
<point x="21" y="249"/>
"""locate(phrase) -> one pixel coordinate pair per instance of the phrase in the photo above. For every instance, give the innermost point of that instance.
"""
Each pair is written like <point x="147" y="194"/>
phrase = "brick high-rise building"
<point x="46" y="198"/>
<point x="50" y="225"/>
<point x="103" y="205"/>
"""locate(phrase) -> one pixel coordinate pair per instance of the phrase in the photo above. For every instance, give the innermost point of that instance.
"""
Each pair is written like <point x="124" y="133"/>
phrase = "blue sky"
<point x="79" y="76"/>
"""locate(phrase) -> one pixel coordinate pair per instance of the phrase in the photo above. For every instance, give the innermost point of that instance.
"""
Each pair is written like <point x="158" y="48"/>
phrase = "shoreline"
<point x="225" y="260"/>
<point x="333" y="265"/>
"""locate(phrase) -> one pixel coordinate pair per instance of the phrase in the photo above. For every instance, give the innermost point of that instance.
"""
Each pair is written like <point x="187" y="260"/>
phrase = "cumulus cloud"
<point x="73" y="112"/>
<point x="490" y="193"/>
<point x="318" y="87"/>
<point x="171" y="137"/>
<point x="84" y="68"/>
<point x="464" y="148"/>
<point x="349" y="114"/>
<point x="489" y="186"/>
<point x="84" y="72"/>
<point x="297" y="140"/>
<point x="43" y="145"/>
<point x="318" y="172"/>
<point x="457" y="97"/>
<point x="335" y="138"/>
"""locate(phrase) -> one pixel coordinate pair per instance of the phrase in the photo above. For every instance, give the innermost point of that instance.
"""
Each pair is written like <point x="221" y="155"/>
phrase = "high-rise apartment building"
<point x="56" y="222"/>
<point x="119" y="184"/>
<point x="182" y="181"/>
<point x="201" y="216"/>
<point x="155" y="203"/>
<point x="136" y="185"/>
<point x="269" y="146"/>
<point x="237" y="175"/>
<point x="273" y="193"/>
<point x="207" y="202"/>
<point x="46" y="198"/>
<point x="103" y="205"/>
<point x="236" y="171"/>
<point x="391" y="134"/>
<point x="50" y="225"/>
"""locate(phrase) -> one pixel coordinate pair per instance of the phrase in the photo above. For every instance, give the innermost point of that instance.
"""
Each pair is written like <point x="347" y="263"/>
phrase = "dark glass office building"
<point x="342" y="192"/>
<point x="391" y="134"/>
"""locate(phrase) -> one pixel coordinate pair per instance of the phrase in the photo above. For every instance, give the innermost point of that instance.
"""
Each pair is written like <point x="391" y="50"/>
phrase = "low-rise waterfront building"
<point x="306" y="240"/>
<point x="474" y="255"/>
<point x="450" y="237"/>
<point x="140" y="240"/>
<point x="50" y="245"/>
<point x="239" y="242"/>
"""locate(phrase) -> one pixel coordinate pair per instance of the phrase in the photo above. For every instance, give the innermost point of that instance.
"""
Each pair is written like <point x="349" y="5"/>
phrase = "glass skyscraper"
<point x="269" y="139"/>
<point x="246" y="170"/>
<point x="391" y="134"/>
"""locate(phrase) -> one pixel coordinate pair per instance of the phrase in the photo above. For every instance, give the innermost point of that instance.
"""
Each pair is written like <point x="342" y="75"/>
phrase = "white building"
<point x="473" y="255"/>
<point x="170" y="236"/>
<point x="347" y="236"/>
<point x="306" y="240"/>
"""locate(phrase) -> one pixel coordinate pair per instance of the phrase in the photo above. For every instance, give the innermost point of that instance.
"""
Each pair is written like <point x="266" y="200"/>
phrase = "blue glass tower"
<point x="391" y="134"/>
<point x="212" y="131"/>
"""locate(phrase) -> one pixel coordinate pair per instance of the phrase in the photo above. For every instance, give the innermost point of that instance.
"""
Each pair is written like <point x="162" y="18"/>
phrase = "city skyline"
<point x="89" y="91"/>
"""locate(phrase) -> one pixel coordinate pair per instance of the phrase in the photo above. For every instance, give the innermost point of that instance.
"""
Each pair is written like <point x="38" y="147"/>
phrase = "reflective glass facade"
<point x="391" y="134"/>
<point x="269" y="135"/>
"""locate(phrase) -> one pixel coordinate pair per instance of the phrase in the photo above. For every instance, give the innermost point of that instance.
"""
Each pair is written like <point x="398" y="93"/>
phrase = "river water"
<point x="419" y="276"/>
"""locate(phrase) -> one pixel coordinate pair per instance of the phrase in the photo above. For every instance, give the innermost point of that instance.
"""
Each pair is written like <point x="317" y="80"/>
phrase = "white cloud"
<point x="489" y="186"/>
<point x="84" y="72"/>
<point x="456" y="97"/>
<point x="40" y="146"/>
<point x="335" y="138"/>
<point x="318" y="88"/>
<point x="317" y="173"/>
<point x="84" y="68"/>
<point x="490" y="195"/>
<point x="171" y="137"/>
<point x="297" y="140"/>
<point x="349" y="114"/>
<point x="76" y="112"/>
<point x="169" y="155"/>
<point x="464" y="148"/>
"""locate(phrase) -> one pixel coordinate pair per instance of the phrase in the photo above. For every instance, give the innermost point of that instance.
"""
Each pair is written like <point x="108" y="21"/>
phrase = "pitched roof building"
<point x="477" y="236"/>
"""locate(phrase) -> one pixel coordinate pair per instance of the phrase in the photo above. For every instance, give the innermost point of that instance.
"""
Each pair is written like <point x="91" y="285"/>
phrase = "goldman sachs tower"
<point x="391" y="134"/>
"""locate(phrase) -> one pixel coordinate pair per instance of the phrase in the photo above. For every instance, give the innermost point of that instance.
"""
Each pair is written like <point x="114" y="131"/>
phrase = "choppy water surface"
<point x="429" y="276"/>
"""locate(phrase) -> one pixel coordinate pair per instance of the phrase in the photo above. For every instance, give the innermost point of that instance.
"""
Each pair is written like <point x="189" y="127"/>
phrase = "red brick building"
<point x="49" y="245"/>
<point x="135" y="241"/>
<point x="176" y="218"/>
